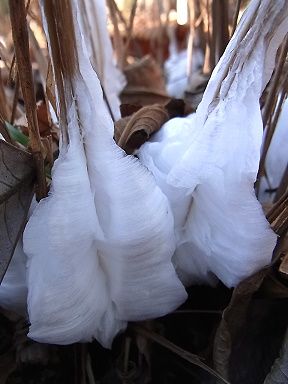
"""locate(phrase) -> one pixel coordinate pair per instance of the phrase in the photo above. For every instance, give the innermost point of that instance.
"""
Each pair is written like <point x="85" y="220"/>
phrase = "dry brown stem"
<point x="21" y="46"/>
<point x="235" y="16"/>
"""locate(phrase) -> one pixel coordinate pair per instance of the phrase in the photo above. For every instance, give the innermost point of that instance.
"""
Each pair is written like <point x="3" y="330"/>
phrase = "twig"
<point x="21" y="45"/>
<point x="188" y="356"/>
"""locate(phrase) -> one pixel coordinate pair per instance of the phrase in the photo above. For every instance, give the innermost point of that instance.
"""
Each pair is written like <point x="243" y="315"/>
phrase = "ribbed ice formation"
<point x="207" y="164"/>
<point x="100" y="245"/>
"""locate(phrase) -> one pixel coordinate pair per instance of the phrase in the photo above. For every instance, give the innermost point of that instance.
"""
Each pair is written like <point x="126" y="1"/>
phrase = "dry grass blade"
<point x="21" y="45"/>
<point x="188" y="356"/>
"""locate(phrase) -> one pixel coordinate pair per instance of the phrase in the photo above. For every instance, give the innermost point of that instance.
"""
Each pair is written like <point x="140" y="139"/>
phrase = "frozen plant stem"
<point x="21" y="46"/>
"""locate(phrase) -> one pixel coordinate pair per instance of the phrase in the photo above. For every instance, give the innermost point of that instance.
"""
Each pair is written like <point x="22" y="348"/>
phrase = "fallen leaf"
<point x="16" y="190"/>
<point x="233" y="319"/>
<point x="141" y="126"/>
<point x="279" y="371"/>
<point x="146" y="73"/>
<point x="143" y="96"/>
<point x="132" y="131"/>
<point x="129" y="109"/>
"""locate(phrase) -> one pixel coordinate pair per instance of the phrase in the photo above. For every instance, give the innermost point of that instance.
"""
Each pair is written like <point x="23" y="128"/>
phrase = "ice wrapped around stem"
<point x="100" y="245"/>
<point x="209" y="161"/>
<point x="93" y="19"/>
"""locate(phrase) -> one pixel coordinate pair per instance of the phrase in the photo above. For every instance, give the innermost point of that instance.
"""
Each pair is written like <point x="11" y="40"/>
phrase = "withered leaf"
<point x="279" y="371"/>
<point x="141" y="126"/>
<point x="129" y="109"/>
<point x="233" y="319"/>
<point x="143" y="96"/>
<point x="17" y="176"/>
<point x="273" y="288"/>
<point x="132" y="131"/>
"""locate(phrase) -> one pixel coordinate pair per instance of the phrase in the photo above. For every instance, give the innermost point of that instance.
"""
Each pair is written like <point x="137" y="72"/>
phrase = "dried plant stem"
<point x="89" y="370"/>
<point x="220" y="34"/>
<point x="270" y="115"/>
<point x="15" y="99"/>
<point x="275" y="82"/>
<point x="4" y="108"/>
<point x="271" y="126"/>
<point x="278" y="215"/>
<point x="188" y="356"/>
<point x="21" y="45"/>
<point x="235" y="17"/>
<point x="118" y="41"/>
<point x="283" y="186"/>
<point x="209" y="53"/>
<point x="191" y="4"/>
<point x="129" y="30"/>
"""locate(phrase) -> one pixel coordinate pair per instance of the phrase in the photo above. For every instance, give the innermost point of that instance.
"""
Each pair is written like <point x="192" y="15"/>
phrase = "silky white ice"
<point x="207" y="163"/>
<point x="100" y="245"/>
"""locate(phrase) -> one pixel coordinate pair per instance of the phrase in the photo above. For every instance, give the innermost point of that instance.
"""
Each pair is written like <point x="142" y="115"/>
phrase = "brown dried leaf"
<point x="17" y="176"/>
<point x="146" y="73"/>
<point x="279" y="371"/>
<point x="232" y="321"/>
<point x="141" y="126"/>
<point x="129" y="109"/>
<point x="143" y="96"/>
<point x="273" y="288"/>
